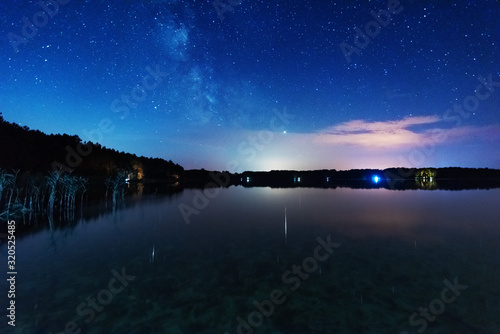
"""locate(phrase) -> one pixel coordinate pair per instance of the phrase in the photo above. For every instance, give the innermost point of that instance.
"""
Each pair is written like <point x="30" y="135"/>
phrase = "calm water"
<point x="395" y="252"/>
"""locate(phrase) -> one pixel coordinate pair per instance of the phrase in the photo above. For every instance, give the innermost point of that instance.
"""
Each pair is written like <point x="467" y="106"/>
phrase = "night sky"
<point x="261" y="85"/>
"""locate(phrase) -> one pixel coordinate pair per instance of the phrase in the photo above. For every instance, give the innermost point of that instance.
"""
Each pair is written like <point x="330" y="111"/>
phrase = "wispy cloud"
<point x="389" y="134"/>
<point x="383" y="127"/>
<point x="401" y="134"/>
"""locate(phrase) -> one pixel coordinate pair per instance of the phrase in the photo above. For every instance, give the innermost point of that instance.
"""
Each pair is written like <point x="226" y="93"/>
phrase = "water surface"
<point x="396" y="250"/>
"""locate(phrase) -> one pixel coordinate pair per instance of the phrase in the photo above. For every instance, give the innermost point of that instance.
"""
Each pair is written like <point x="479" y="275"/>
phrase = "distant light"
<point x="284" y="131"/>
<point x="375" y="179"/>
<point x="127" y="179"/>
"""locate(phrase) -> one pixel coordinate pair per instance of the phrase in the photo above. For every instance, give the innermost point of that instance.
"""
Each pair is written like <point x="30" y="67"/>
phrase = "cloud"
<point x="389" y="134"/>
<point x="388" y="126"/>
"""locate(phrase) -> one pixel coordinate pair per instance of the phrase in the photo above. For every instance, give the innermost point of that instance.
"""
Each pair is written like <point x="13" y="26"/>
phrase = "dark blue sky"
<point x="270" y="86"/>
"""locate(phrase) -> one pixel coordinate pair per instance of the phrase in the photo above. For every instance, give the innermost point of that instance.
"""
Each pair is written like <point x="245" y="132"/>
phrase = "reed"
<point x="116" y="184"/>
<point x="6" y="180"/>
<point x="52" y="181"/>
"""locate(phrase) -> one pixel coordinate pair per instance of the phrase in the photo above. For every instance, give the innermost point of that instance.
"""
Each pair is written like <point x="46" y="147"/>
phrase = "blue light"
<point x="375" y="179"/>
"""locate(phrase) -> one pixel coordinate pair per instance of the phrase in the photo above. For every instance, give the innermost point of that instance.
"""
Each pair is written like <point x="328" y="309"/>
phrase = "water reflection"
<point x="397" y="247"/>
<point x="427" y="183"/>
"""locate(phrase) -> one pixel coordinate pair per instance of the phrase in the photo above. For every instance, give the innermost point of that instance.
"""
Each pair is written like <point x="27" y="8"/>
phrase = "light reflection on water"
<point x="396" y="249"/>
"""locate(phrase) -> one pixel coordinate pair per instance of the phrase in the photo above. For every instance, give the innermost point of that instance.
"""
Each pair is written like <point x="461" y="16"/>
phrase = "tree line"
<point x="34" y="151"/>
<point x="40" y="173"/>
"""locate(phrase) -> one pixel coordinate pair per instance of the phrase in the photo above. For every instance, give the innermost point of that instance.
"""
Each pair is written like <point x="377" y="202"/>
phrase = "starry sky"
<point x="260" y="85"/>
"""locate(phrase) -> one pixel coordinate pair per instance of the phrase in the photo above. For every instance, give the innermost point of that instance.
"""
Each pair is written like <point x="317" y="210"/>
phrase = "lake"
<point x="348" y="261"/>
